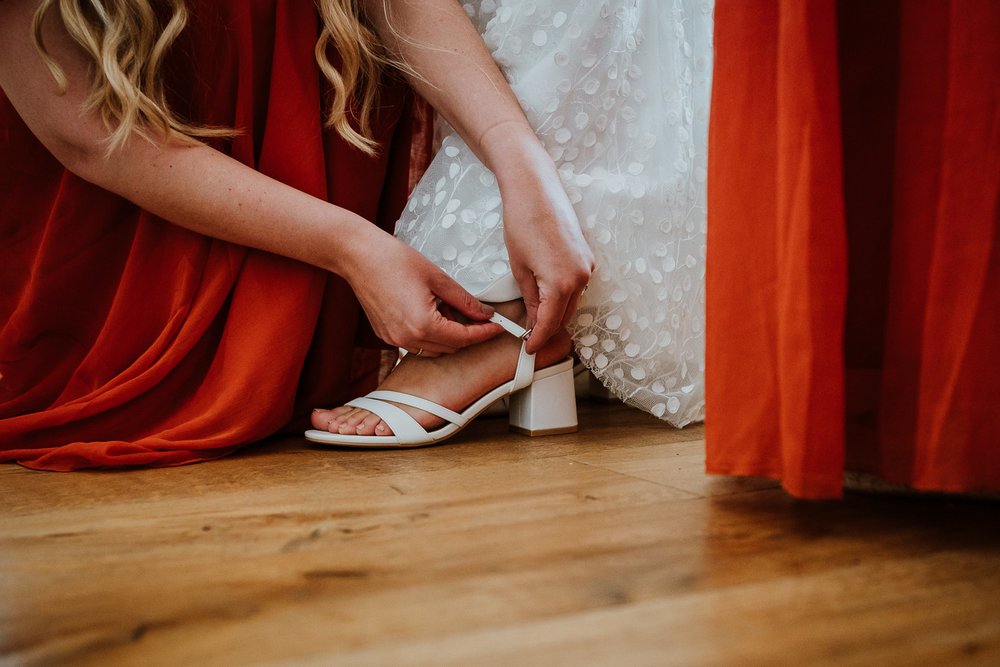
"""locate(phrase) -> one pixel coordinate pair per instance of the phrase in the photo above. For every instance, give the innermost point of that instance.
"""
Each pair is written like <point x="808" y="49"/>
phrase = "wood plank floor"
<point x="606" y="547"/>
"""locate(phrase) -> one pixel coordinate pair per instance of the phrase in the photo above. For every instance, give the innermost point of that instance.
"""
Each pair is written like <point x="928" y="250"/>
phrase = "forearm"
<point x="203" y="190"/>
<point x="457" y="75"/>
<point x="191" y="185"/>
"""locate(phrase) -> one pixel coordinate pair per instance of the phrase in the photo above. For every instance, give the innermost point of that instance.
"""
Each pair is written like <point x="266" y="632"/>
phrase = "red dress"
<point x="126" y="340"/>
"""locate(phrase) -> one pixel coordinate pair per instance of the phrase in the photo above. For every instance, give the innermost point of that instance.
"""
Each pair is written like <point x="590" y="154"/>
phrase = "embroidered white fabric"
<point x="618" y="92"/>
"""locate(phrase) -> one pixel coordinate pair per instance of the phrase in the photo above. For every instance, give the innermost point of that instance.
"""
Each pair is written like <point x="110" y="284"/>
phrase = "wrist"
<point x="512" y="151"/>
<point x="347" y="254"/>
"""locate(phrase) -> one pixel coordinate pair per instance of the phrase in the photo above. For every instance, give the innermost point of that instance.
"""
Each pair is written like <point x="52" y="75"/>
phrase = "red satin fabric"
<point x="127" y="340"/>
<point x="854" y="244"/>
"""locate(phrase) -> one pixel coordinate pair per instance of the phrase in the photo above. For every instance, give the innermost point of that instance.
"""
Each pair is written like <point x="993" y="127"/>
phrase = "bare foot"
<point x="451" y="380"/>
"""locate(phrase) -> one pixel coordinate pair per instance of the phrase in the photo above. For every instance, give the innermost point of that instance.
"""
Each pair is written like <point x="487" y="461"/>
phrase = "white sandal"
<point x="541" y="403"/>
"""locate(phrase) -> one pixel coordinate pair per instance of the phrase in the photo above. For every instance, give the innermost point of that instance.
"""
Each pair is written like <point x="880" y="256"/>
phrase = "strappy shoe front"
<point x="542" y="402"/>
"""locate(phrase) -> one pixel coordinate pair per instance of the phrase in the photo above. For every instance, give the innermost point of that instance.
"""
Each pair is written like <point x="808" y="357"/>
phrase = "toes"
<point x="320" y="419"/>
<point x="349" y="424"/>
<point x="336" y="417"/>
<point x="367" y="425"/>
<point x="349" y="421"/>
<point x="371" y="424"/>
<point x="374" y="426"/>
<point x="341" y="410"/>
<point x="328" y="420"/>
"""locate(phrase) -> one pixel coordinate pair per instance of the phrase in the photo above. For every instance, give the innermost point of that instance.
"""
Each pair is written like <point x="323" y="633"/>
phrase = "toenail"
<point x="380" y="427"/>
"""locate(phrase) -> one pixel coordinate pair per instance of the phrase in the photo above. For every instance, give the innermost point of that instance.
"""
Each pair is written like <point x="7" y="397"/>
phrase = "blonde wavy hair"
<point x="127" y="40"/>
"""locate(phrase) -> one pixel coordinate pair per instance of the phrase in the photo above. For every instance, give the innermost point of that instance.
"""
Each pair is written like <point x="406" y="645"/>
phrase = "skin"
<point x="204" y="190"/>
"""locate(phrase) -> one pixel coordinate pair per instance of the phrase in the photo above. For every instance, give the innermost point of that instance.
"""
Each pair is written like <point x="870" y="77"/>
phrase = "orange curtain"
<point x="854" y="243"/>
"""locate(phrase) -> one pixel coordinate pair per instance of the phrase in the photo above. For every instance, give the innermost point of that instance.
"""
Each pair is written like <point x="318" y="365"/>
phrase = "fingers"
<point x="453" y="335"/>
<point x="550" y="316"/>
<point x="443" y="335"/>
<point x="423" y="353"/>
<point x="439" y="335"/>
<point x="429" y="350"/>
<point x="544" y="314"/>
<point x="571" y="308"/>
<point x="455" y="296"/>
<point x="554" y="313"/>
<point x="529" y="292"/>
<point x="416" y="309"/>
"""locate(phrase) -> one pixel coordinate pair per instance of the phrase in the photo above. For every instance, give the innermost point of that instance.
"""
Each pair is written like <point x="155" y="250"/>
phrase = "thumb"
<point x="454" y="295"/>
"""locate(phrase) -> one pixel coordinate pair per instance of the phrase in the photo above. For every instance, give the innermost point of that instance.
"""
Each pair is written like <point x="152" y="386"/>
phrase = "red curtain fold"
<point x="854" y="259"/>
<point x="126" y="340"/>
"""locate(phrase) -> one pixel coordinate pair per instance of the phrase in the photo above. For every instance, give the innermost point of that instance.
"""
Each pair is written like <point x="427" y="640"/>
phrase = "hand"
<point x="403" y="293"/>
<point x="549" y="257"/>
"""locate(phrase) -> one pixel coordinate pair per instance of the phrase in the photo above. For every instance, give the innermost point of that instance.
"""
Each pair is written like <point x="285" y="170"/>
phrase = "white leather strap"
<point x="525" y="362"/>
<point x="525" y="371"/>
<point x="510" y="326"/>
<point x="420" y="404"/>
<point x="405" y="427"/>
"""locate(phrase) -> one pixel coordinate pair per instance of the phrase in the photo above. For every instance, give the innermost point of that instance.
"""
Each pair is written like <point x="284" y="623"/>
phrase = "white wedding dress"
<point x="618" y="92"/>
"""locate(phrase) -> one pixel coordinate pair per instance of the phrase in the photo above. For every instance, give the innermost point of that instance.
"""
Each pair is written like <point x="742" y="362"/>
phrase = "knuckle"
<point x="567" y="285"/>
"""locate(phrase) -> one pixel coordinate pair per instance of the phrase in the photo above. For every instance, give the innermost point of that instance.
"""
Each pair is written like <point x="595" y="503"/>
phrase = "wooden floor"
<point x="607" y="547"/>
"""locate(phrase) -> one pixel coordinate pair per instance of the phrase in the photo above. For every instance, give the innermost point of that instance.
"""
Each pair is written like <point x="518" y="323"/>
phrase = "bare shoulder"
<point x="16" y="17"/>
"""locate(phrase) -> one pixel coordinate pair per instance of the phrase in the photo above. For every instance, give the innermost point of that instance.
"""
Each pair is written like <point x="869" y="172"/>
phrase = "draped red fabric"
<point x="853" y="289"/>
<point x="126" y="340"/>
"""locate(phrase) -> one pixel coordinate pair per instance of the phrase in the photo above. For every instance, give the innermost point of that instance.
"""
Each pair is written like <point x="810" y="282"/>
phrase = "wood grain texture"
<point x="606" y="547"/>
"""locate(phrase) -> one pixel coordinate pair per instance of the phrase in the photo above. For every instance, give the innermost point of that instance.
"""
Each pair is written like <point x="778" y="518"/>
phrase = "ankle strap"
<point x="525" y="371"/>
<point x="510" y="326"/>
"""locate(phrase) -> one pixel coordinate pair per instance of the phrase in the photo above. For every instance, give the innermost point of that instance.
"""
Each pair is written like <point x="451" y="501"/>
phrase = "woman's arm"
<point x="549" y="256"/>
<point x="204" y="190"/>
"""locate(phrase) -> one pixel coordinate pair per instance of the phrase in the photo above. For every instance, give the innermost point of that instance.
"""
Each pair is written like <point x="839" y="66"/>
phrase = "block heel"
<point x="548" y="405"/>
